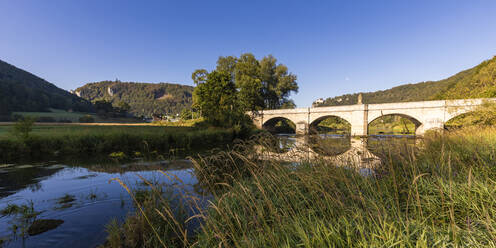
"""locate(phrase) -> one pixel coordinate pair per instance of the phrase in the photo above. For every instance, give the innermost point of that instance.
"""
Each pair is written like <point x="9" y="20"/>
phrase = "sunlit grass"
<point x="440" y="193"/>
<point x="59" y="142"/>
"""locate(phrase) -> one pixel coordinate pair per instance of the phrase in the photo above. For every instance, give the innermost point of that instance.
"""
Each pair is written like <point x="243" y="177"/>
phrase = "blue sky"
<point x="334" y="47"/>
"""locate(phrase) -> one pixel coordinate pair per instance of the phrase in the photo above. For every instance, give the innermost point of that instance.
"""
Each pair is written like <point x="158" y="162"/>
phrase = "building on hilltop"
<point x="318" y="102"/>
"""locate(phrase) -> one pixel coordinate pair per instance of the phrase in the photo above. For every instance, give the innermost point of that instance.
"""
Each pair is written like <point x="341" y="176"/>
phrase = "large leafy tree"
<point x="216" y="99"/>
<point x="243" y="84"/>
<point x="261" y="84"/>
<point x="278" y="83"/>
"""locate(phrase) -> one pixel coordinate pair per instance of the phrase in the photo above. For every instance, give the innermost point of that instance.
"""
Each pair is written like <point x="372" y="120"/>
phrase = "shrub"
<point x="86" y="119"/>
<point x="23" y="127"/>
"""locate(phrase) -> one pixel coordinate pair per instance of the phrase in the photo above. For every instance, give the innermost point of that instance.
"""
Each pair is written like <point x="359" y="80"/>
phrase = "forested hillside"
<point x="477" y="82"/>
<point x="143" y="98"/>
<point x="23" y="91"/>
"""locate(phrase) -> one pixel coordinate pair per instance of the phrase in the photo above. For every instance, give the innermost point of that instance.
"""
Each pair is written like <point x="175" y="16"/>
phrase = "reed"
<point x="440" y="193"/>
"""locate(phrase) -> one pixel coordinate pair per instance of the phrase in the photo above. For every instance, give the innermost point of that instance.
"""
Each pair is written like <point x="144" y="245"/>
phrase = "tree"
<point x="242" y="84"/>
<point x="216" y="98"/>
<point x="227" y="64"/>
<point x="123" y="107"/>
<point x="260" y="84"/>
<point x="23" y="127"/>
<point x="289" y="104"/>
<point x="186" y="114"/>
<point x="278" y="83"/>
<point x="104" y="108"/>
<point x="199" y="76"/>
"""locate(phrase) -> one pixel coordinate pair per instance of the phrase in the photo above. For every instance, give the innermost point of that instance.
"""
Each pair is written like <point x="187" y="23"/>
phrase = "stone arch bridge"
<point x="426" y="114"/>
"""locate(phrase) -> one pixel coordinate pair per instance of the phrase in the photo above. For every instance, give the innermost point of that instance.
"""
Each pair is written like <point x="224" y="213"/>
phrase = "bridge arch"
<point x="373" y="119"/>
<point x="452" y="113"/>
<point x="456" y="119"/>
<point x="279" y="124"/>
<point x="338" y="123"/>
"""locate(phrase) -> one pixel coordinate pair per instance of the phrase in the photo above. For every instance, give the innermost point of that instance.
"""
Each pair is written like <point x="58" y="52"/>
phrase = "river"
<point x="83" y="199"/>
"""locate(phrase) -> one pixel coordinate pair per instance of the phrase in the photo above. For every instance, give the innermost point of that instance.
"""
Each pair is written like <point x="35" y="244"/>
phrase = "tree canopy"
<point x="216" y="98"/>
<point x="238" y="85"/>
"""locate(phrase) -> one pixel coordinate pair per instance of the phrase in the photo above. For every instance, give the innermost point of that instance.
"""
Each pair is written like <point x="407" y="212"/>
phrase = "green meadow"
<point x="80" y="142"/>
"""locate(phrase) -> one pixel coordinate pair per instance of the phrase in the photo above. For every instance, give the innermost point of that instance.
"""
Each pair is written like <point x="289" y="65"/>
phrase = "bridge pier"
<point x="359" y="120"/>
<point x="436" y="125"/>
<point x="301" y="128"/>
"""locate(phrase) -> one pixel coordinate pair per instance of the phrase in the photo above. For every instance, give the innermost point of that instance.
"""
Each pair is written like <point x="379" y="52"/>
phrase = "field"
<point x="64" y="129"/>
<point x="121" y="141"/>
<point x="57" y="115"/>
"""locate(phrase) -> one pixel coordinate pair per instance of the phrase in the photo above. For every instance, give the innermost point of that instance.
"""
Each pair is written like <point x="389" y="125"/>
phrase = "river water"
<point x="86" y="199"/>
<point x="94" y="200"/>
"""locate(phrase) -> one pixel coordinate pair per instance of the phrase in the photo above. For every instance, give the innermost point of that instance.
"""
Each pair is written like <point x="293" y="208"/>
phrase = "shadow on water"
<point x="73" y="203"/>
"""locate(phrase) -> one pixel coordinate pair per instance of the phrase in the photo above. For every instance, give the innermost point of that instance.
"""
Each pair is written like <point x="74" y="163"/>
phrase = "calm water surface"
<point x="96" y="200"/>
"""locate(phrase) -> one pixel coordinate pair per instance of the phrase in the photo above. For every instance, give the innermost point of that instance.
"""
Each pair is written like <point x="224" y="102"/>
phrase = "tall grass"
<point x="83" y="143"/>
<point x="438" y="194"/>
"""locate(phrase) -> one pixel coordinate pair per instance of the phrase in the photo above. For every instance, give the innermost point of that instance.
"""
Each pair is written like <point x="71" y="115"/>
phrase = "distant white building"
<point x="318" y="102"/>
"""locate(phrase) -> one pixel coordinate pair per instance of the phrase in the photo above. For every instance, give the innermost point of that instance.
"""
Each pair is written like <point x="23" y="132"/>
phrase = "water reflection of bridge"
<point x="357" y="156"/>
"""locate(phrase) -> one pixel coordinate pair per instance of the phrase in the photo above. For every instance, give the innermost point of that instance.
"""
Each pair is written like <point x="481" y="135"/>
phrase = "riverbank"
<point x="69" y="142"/>
<point x="440" y="193"/>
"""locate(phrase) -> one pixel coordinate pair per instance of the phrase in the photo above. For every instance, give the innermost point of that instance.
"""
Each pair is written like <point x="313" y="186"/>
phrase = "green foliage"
<point x="86" y="119"/>
<point x="123" y="107"/>
<point x="392" y="124"/>
<point x="331" y="125"/>
<point x="477" y="82"/>
<point x="154" y="207"/>
<point x="55" y="115"/>
<point x="24" y="216"/>
<point x="280" y="125"/>
<point x="440" y="194"/>
<point x="97" y="142"/>
<point x="23" y="127"/>
<point x="105" y="109"/>
<point x="23" y="91"/>
<point x="442" y="198"/>
<point x="239" y="85"/>
<point x="288" y="104"/>
<point x="260" y="84"/>
<point x="484" y="115"/>
<point x="186" y="114"/>
<point x="216" y="99"/>
<point x="140" y="99"/>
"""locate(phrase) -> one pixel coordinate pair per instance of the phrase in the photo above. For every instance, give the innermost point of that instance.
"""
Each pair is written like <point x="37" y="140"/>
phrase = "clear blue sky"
<point x="334" y="47"/>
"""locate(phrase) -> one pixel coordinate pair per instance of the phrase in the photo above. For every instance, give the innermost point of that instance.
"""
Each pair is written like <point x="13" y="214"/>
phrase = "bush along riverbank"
<point x="115" y="143"/>
<point x="439" y="194"/>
